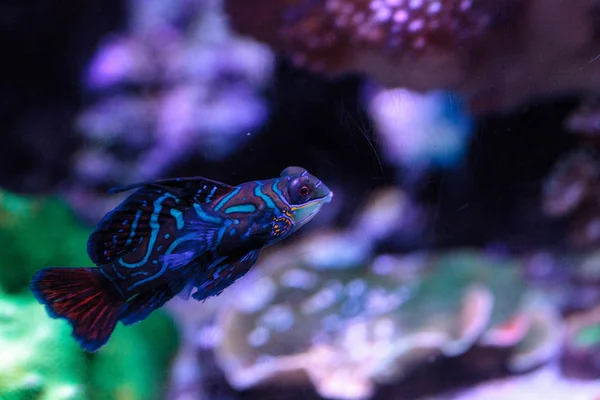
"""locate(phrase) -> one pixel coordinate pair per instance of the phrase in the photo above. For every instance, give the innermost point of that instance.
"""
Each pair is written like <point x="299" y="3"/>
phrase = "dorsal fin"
<point x="201" y="189"/>
<point x="156" y="203"/>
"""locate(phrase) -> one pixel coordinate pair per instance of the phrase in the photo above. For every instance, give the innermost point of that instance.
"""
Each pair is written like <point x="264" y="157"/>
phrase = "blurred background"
<point x="461" y="139"/>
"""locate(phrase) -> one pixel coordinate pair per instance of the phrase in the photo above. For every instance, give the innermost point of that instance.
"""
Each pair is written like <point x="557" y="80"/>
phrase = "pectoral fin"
<point x="223" y="274"/>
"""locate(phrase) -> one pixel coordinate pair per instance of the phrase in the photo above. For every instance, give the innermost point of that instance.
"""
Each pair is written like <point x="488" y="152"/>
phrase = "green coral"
<point x="121" y="370"/>
<point x="40" y="359"/>
<point x="36" y="233"/>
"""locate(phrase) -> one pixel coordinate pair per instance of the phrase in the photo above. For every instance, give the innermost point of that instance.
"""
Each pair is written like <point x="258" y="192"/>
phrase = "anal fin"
<point x="141" y="306"/>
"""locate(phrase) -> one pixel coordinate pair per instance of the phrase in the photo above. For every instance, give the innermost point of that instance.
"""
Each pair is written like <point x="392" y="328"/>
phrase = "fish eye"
<point x="300" y="190"/>
<point x="303" y="190"/>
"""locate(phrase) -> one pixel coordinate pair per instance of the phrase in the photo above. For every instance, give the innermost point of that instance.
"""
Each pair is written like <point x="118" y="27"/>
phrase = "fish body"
<point x="173" y="237"/>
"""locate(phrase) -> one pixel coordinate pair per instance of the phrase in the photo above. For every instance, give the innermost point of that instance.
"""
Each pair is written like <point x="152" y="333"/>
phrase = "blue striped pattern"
<point x="241" y="208"/>
<point x="155" y="228"/>
<point x="178" y="215"/>
<point x="227" y="198"/>
<point x="136" y="220"/>
<point x="258" y="192"/>
<point x="275" y="189"/>
<point x="204" y="216"/>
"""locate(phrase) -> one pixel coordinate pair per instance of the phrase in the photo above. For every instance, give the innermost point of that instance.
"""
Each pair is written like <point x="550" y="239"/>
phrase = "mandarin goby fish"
<point x="170" y="237"/>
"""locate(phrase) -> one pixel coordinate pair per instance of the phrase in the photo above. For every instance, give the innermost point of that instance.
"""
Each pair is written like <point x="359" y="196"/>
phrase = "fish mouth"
<point x="309" y="210"/>
<point x="320" y="200"/>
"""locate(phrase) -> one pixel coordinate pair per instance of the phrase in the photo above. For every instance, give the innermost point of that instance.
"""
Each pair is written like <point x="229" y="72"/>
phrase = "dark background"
<point x="317" y="123"/>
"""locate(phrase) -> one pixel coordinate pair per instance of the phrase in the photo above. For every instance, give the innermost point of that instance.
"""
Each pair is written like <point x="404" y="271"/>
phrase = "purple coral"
<point x="177" y="84"/>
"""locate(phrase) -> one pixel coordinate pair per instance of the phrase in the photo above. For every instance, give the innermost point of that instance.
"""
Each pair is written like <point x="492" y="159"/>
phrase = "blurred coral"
<point x="348" y="330"/>
<point x="39" y="358"/>
<point x="37" y="232"/>
<point x="421" y="130"/>
<point x="546" y="384"/>
<point x="585" y="121"/>
<point x="498" y="54"/>
<point x="387" y="213"/>
<point x="572" y="190"/>
<point x="136" y="364"/>
<point x="177" y="83"/>
<point x="581" y="354"/>
<point x="343" y="35"/>
<point x="41" y="361"/>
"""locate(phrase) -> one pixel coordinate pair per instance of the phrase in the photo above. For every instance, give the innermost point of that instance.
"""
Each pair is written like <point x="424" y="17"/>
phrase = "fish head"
<point x="305" y="194"/>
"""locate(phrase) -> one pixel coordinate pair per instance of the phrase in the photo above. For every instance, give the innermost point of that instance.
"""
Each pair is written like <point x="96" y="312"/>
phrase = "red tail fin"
<point x="83" y="297"/>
